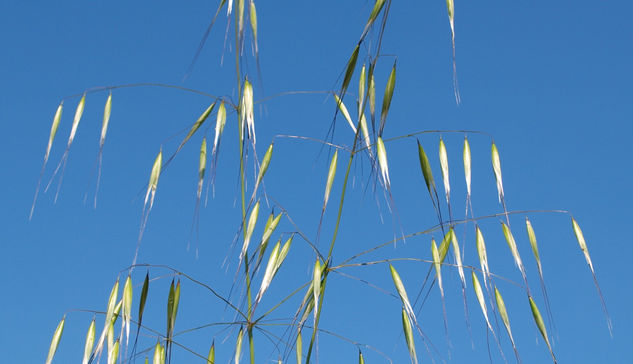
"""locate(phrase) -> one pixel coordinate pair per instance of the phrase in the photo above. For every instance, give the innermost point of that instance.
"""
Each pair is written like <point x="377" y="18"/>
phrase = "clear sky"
<point x="549" y="81"/>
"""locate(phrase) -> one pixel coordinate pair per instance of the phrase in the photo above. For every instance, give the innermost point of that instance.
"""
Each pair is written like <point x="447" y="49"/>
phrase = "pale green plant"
<point x="296" y="327"/>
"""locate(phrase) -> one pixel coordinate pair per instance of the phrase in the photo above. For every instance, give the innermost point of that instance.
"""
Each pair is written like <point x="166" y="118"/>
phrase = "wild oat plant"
<point x="288" y="327"/>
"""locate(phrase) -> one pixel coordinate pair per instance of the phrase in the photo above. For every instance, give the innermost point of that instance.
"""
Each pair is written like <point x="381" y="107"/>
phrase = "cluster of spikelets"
<point x="369" y="142"/>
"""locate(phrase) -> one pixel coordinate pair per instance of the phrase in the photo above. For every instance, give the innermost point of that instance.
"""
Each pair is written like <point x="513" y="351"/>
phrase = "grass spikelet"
<point x="112" y="301"/>
<point x="330" y="178"/>
<point x="365" y="131"/>
<point x="247" y="119"/>
<point x="143" y="299"/>
<point x="127" y="307"/>
<point x="444" y="165"/>
<point x="173" y="299"/>
<point x="341" y="106"/>
<point x="111" y="315"/>
<point x="437" y="265"/>
<point x="194" y="128"/>
<point x="283" y="252"/>
<point x="501" y="307"/>
<point x="386" y="101"/>
<point x="408" y="335"/>
<point x="480" y="298"/>
<point x="220" y="122"/>
<point x="450" y="6"/>
<point x="264" y="166"/>
<point x="583" y="246"/>
<point x="90" y="342"/>
<point x="238" y="345"/>
<point x="252" y="13"/>
<point x="252" y="221"/>
<point x="159" y="354"/>
<point x="382" y="161"/>
<point x="496" y="166"/>
<point x="172" y="305"/>
<point x="211" y="356"/>
<point x="371" y="97"/>
<point x="445" y="244"/>
<point x="306" y="305"/>
<point x="57" y="335"/>
<point x="106" y="119"/>
<point x="483" y="256"/>
<point x="513" y="248"/>
<point x="202" y="166"/>
<point x="349" y="70"/>
<point x="270" y="227"/>
<point x="316" y="284"/>
<point x="581" y="241"/>
<point x="299" y="347"/>
<point x="153" y="180"/>
<point x="538" y="319"/>
<point x="372" y="16"/>
<point x="73" y="131"/>
<point x="110" y="337"/>
<point x="467" y="165"/>
<point x="113" y="354"/>
<point x="149" y="197"/>
<point x="107" y="110"/>
<point x="264" y="243"/>
<point x="397" y="281"/>
<point x="78" y="113"/>
<point x="240" y="17"/>
<point x="458" y="258"/>
<point x="56" y="119"/>
<point x="141" y="308"/>
<point x="533" y="244"/>
<point x="425" y="166"/>
<point x="269" y="272"/>
<point x="361" y="89"/>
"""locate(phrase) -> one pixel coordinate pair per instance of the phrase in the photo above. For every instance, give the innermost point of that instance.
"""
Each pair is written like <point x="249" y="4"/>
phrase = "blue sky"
<point x="549" y="81"/>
